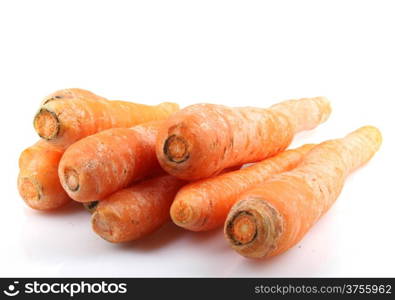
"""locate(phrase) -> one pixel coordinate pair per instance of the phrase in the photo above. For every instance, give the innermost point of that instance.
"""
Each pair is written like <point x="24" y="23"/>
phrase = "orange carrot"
<point x="38" y="181"/>
<point x="203" y="205"/>
<point x="275" y="215"/>
<point x="69" y="115"/>
<point x="203" y="139"/>
<point x="100" y="164"/>
<point x="136" y="211"/>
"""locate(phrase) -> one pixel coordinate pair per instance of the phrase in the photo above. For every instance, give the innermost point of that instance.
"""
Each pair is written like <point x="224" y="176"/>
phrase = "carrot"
<point x="203" y="205"/>
<point x="203" y="139"/>
<point x="136" y="211"/>
<point x="275" y="215"/>
<point x="100" y="164"/>
<point x="38" y="181"/>
<point x="72" y="114"/>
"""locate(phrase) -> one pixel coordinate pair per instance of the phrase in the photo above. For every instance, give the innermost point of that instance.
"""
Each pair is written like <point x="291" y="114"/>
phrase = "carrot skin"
<point x="69" y="115"/>
<point x="203" y="139"/>
<point x="99" y="165"/>
<point x="272" y="217"/>
<point x="204" y="204"/>
<point x="38" y="181"/>
<point x="135" y="212"/>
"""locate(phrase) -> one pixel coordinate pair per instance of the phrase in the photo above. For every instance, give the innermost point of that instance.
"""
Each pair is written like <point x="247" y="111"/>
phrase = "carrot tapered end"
<point x="253" y="228"/>
<point x="46" y="124"/>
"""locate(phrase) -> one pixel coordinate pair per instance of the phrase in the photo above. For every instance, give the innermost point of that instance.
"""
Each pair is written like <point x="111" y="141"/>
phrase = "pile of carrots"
<point x="136" y="166"/>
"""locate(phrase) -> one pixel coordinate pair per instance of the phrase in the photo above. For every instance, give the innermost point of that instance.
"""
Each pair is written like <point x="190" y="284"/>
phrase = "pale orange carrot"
<point x="203" y="205"/>
<point x="101" y="164"/>
<point x="134" y="212"/>
<point x="38" y="181"/>
<point x="273" y="216"/>
<point x="203" y="139"/>
<point x="69" y="115"/>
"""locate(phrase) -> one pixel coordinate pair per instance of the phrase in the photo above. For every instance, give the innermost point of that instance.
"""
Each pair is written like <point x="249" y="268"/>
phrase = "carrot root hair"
<point x="253" y="228"/>
<point x="47" y="124"/>
<point x="72" y="181"/>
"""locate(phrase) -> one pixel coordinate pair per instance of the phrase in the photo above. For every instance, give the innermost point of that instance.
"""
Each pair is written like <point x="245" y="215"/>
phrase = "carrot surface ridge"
<point x="272" y="217"/>
<point x="203" y="139"/>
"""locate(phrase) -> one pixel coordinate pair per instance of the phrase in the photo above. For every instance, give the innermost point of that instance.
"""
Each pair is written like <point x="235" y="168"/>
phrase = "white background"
<point x="230" y="52"/>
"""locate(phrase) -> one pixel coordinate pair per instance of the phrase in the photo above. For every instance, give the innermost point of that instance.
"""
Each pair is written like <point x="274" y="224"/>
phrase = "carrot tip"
<point x="176" y="149"/>
<point x="72" y="179"/>
<point x="47" y="124"/>
<point x="242" y="228"/>
<point x="29" y="189"/>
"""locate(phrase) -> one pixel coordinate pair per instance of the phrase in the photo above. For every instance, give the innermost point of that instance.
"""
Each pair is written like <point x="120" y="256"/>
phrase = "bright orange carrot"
<point x="203" y="205"/>
<point x="203" y="139"/>
<point x="100" y="164"/>
<point x="272" y="217"/>
<point x="38" y="181"/>
<point x="69" y="115"/>
<point x="136" y="211"/>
